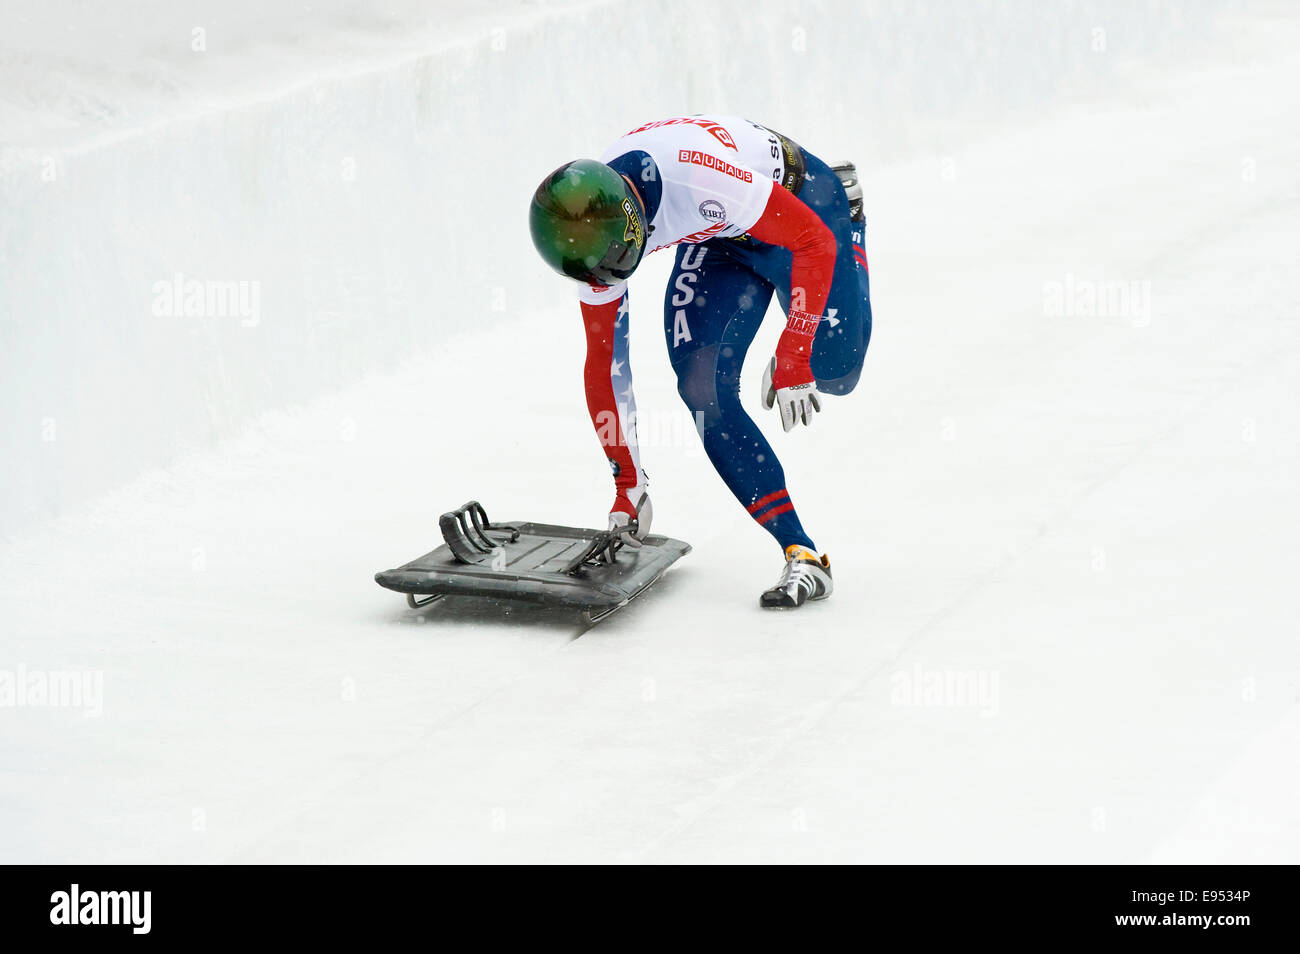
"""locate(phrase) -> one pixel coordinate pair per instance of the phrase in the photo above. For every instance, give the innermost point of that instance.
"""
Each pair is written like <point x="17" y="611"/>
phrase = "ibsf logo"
<point x="713" y="210"/>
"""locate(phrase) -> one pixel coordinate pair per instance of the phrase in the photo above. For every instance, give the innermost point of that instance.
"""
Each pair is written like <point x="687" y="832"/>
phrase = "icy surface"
<point x="1088" y="518"/>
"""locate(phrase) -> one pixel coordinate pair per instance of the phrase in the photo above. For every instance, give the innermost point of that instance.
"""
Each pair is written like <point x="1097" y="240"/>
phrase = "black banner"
<point x="141" y="905"/>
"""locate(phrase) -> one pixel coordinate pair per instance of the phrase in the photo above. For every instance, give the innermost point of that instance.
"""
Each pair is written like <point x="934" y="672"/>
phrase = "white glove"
<point x="798" y="403"/>
<point x="631" y="529"/>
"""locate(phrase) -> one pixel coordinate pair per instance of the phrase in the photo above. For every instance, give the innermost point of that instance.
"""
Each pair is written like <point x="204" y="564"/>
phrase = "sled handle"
<point x="602" y="549"/>
<point x="465" y="532"/>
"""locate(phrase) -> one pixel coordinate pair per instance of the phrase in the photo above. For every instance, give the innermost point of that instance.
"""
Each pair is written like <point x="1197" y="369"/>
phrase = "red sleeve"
<point x="599" y="321"/>
<point x="790" y="223"/>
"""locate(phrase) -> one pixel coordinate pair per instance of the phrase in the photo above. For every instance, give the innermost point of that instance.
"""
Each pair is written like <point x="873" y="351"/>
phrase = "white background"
<point x="1091" y="514"/>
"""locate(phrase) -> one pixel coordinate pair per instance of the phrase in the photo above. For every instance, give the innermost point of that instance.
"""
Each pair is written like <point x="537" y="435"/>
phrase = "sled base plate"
<point x="528" y="565"/>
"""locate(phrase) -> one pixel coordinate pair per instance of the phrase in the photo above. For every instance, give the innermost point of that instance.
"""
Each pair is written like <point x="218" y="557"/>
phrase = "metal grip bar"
<point x="601" y="549"/>
<point x="465" y="532"/>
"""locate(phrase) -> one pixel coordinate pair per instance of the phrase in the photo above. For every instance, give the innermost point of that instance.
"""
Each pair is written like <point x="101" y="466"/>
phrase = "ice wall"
<point x="348" y="188"/>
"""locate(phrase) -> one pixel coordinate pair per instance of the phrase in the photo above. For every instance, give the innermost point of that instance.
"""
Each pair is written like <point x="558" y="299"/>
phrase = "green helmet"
<point x="587" y="223"/>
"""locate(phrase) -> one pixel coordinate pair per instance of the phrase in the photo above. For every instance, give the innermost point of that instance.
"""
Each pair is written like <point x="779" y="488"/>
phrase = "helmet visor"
<point x="588" y="223"/>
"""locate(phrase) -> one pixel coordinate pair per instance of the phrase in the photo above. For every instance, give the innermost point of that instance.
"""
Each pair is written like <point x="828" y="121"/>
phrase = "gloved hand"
<point x="789" y="380"/>
<point x="798" y="401"/>
<point x="631" y="520"/>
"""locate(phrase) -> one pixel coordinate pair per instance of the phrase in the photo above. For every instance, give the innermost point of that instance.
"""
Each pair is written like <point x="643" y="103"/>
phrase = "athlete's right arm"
<point x="610" y="410"/>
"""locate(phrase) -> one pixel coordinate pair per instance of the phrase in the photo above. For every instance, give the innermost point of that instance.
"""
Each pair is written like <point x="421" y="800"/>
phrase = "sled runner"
<point x="587" y="570"/>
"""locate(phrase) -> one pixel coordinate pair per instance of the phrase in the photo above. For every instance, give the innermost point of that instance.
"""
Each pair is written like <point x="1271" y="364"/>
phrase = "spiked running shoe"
<point x="806" y="577"/>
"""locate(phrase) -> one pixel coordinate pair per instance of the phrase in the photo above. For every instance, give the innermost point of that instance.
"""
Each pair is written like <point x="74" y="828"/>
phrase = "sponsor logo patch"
<point x="716" y="131"/>
<point x="696" y="158"/>
<point x="713" y="210"/>
<point x="633" y="230"/>
<point x="802" y="323"/>
<point x="703" y="234"/>
<point x="695" y="237"/>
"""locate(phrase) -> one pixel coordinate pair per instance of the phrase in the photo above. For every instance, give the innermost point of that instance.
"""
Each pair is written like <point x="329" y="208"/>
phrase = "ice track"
<point x="1088" y="518"/>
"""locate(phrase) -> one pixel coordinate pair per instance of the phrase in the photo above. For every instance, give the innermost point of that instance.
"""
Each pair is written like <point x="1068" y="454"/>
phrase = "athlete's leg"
<point x="713" y="307"/>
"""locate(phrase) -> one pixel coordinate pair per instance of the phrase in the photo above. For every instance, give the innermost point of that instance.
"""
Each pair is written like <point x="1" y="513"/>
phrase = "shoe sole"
<point x="792" y="605"/>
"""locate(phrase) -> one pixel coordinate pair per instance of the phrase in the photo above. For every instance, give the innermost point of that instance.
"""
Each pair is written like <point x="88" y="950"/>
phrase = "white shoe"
<point x="806" y="576"/>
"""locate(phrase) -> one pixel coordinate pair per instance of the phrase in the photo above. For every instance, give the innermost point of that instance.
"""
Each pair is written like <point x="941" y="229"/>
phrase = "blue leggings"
<point x="716" y="300"/>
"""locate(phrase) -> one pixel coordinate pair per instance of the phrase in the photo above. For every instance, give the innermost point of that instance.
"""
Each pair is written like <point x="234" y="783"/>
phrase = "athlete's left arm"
<point x="790" y="223"/>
